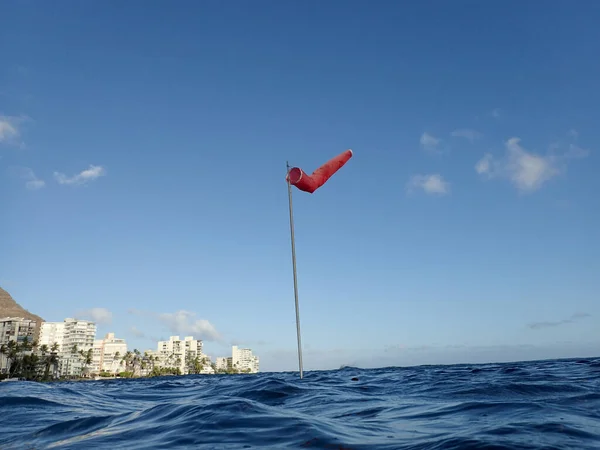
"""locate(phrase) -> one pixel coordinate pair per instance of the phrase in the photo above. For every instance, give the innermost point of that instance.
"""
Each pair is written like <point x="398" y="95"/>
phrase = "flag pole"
<point x="293" y="239"/>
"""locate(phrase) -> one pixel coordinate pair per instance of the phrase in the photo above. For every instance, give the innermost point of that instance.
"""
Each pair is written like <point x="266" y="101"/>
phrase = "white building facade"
<point x="223" y="363"/>
<point x="77" y="335"/>
<point x="52" y="333"/>
<point x="244" y="360"/>
<point x="108" y="353"/>
<point x="178" y="353"/>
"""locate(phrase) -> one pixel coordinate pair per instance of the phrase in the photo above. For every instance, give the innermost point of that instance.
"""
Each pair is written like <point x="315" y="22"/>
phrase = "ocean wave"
<point x="550" y="404"/>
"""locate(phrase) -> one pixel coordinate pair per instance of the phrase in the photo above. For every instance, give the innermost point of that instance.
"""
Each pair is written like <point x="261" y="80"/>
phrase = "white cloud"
<point x="32" y="182"/>
<point x="431" y="184"/>
<point x="137" y="333"/>
<point x="8" y="129"/>
<point x="101" y="316"/>
<point x="527" y="171"/>
<point x="185" y="323"/>
<point x="576" y="152"/>
<point x="89" y="174"/>
<point x="484" y="165"/>
<point x="429" y="142"/>
<point x="573" y="133"/>
<point x="35" y="184"/>
<point x="574" y="318"/>
<point x="466" y="133"/>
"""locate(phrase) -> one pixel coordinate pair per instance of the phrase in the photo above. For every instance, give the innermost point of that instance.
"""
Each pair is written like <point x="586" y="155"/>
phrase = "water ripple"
<point x="536" y="405"/>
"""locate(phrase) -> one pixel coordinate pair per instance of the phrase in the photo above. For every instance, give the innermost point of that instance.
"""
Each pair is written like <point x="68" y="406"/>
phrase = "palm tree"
<point x="127" y="359"/>
<point x="12" y="351"/>
<point x="74" y="352"/>
<point x="47" y="359"/>
<point x="52" y="361"/>
<point x="116" y="357"/>
<point x="136" y="361"/>
<point x="87" y="358"/>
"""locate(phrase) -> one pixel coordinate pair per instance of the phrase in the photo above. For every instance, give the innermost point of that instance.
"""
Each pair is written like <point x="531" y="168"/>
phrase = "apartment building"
<point x="244" y="360"/>
<point x="52" y="333"/>
<point x="177" y="353"/>
<point x="223" y="363"/>
<point x="15" y="329"/>
<point x="72" y="336"/>
<point x="107" y="354"/>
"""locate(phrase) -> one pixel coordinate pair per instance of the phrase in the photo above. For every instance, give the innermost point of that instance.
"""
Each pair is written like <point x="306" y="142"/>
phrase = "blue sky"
<point x="142" y="175"/>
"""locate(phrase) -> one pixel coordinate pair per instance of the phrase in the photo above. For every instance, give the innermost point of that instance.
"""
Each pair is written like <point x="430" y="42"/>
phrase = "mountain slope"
<point x="10" y="308"/>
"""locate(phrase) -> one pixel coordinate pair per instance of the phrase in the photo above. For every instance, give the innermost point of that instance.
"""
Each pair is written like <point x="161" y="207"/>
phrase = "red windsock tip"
<point x="295" y="175"/>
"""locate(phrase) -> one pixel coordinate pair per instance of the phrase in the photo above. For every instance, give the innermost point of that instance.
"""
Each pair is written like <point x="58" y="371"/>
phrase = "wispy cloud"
<point x="431" y="184"/>
<point x="406" y="348"/>
<point x="32" y="182"/>
<point x="574" y="318"/>
<point x="577" y="152"/>
<point x="10" y="130"/>
<point x="429" y="142"/>
<point x="467" y="133"/>
<point x="527" y="170"/>
<point x="573" y="133"/>
<point x="183" y="323"/>
<point x="251" y="343"/>
<point x="85" y="176"/>
<point x="137" y="333"/>
<point x="495" y="113"/>
<point x="100" y="316"/>
<point x="486" y="166"/>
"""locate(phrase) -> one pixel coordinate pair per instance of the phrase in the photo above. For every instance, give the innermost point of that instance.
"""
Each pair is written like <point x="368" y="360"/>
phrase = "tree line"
<point x="30" y="361"/>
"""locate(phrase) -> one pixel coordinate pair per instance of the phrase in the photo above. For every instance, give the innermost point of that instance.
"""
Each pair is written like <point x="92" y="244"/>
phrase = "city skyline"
<point x="79" y="352"/>
<point x="408" y="356"/>
<point x="142" y="176"/>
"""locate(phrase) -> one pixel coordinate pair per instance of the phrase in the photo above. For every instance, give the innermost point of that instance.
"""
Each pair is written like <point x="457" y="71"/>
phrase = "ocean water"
<point x="531" y="405"/>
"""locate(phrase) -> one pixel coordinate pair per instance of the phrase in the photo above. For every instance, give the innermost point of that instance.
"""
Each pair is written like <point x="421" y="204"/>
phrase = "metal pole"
<point x="294" y="270"/>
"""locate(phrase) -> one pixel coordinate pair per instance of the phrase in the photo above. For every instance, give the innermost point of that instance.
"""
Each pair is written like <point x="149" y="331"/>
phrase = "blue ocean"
<point x="529" y="405"/>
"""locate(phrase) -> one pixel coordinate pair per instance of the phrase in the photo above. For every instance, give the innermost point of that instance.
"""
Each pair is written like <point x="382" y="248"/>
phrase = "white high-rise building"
<point x="223" y="363"/>
<point x="77" y="335"/>
<point x="177" y="353"/>
<point x="52" y="333"/>
<point x="108" y="353"/>
<point x="243" y="360"/>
